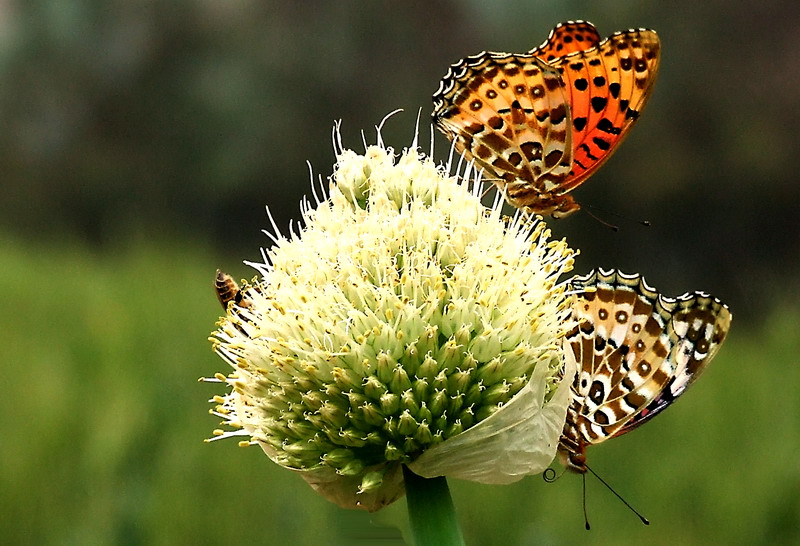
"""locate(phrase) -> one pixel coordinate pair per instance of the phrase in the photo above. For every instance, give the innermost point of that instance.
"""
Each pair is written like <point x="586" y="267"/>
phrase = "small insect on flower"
<point x="540" y="123"/>
<point x="228" y="291"/>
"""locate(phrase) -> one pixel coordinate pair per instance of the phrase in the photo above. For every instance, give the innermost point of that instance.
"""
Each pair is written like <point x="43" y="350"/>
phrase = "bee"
<point x="228" y="291"/>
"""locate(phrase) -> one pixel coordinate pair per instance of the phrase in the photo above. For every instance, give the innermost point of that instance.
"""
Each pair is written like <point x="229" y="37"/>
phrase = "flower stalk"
<point x="431" y="512"/>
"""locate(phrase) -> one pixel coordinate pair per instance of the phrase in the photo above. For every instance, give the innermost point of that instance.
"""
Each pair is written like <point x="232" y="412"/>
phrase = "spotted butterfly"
<point x="542" y="122"/>
<point x="637" y="352"/>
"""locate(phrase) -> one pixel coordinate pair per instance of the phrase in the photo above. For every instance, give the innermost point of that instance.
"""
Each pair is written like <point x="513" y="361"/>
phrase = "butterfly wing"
<point x="509" y="114"/>
<point x="567" y="38"/>
<point x="700" y="324"/>
<point x="638" y="352"/>
<point x="543" y="122"/>
<point x="607" y="86"/>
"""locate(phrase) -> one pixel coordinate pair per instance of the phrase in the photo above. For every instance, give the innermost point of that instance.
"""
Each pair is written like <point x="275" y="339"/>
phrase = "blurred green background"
<point x="141" y="141"/>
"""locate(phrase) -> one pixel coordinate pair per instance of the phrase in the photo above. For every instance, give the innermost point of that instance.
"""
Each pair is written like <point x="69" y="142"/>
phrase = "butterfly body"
<point x="542" y="122"/>
<point x="637" y="352"/>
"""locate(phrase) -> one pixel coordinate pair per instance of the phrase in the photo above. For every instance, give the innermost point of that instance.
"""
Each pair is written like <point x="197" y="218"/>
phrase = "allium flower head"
<point x="405" y="323"/>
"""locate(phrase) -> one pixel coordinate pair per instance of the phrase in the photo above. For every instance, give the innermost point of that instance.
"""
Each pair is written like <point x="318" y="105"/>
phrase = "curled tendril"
<point x="550" y="475"/>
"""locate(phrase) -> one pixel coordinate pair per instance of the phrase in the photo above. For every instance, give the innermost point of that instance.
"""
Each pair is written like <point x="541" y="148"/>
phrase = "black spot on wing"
<point x="599" y="104"/>
<point x="606" y="126"/>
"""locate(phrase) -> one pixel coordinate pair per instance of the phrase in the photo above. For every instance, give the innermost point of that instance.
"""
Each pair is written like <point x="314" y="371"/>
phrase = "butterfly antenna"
<point x="585" y="516"/>
<point x="645" y="223"/>
<point x="610" y="226"/>
<point x="550" y="475"/>
<point x="631" y="508"/>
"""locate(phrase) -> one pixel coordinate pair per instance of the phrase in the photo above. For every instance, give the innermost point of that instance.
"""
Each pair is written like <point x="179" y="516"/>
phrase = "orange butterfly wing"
<point x="509" y="114"/>
<point x="567" y="38"/>
<point x="608" y="83"/>
<point x="541" y="123"/>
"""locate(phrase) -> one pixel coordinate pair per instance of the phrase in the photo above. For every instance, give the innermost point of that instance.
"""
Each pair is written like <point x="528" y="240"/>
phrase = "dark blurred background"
<point x="141" y="141"/>
<point x="186" y="118"/>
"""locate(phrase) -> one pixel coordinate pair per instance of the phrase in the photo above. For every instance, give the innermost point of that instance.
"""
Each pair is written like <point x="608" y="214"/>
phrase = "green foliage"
<point x="104" y="421"/>
<point x="104" y="427"/>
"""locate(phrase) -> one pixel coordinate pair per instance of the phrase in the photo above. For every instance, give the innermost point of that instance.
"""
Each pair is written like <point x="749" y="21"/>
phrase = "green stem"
<point x="431" y="511"/>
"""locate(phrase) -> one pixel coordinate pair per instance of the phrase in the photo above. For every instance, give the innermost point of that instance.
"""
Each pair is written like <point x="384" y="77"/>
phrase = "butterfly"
<point x="637" y="352"/>
<point x="540" y="123"/>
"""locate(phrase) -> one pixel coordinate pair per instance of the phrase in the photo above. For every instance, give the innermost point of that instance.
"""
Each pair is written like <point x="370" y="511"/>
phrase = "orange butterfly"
<point x="541" y="123"/>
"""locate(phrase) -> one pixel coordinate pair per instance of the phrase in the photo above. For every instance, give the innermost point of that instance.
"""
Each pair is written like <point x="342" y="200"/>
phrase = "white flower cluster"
<point x="405" y="323"/>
